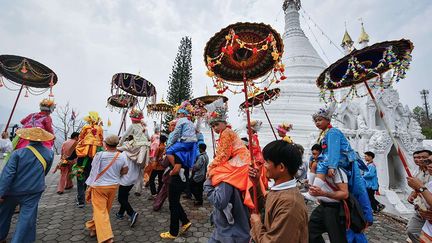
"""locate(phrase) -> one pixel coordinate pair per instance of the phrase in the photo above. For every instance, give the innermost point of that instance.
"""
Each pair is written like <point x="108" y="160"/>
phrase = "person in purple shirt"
<point x="22" y="182"/>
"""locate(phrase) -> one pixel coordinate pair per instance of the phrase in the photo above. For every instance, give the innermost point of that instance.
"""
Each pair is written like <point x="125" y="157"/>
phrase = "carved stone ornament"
<point x="380" y="141"/>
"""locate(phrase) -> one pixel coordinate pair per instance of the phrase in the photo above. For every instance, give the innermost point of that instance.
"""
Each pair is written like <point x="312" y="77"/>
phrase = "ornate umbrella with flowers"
<point x="239" y="55"/>
<point x="367" y="66"/>
<point x="160" y="108"/>
<point x="259" y="98"/>
<point x="122" y="102"/>
<point x="25" y="73"/>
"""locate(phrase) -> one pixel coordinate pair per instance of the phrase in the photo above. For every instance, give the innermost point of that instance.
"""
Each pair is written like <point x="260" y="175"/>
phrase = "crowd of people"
<point x="257" y="195"/>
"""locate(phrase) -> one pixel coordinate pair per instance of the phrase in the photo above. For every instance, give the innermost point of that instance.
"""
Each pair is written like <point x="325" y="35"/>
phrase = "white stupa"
<point x="299" y="97"/>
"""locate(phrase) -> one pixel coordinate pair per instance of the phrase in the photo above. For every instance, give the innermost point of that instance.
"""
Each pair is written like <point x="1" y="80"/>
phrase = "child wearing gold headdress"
<point x="283" y="129"/>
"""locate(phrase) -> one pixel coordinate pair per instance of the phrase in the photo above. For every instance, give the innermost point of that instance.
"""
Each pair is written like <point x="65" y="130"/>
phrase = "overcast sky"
<point x="86" y="41"/>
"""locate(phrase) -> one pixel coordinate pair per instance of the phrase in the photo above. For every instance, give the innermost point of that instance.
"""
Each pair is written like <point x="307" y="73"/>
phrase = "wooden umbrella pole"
<point x="123" y="121"/>
<point x="213" y="142"/>
<point x="268" y="119"/>
<point x="13" y="108"/>
<point x="387" y="127"/>
<point x="249" y="130"/>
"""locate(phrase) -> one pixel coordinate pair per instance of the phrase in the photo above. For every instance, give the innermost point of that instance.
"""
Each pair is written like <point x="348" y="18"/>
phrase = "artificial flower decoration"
<point x="365" y="64"/>
<point x="185" y="107"/>
<point x="244" y="50"/>
<point x="136" y="114"/>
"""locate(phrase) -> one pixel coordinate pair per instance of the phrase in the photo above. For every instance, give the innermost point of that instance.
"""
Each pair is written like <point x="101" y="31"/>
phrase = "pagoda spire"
<point x="291" y="3"/>
<point x="364" y="37"/>
<point x="347" y="42"/>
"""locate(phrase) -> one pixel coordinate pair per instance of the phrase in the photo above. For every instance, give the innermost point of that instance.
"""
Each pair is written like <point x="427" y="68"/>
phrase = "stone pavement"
<point x="59" y="220"/>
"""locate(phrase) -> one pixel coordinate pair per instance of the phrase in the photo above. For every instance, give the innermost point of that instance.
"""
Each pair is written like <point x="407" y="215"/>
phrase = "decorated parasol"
<point x="205" y="100"/>
<point x="160" y="108"/>
<point x="240" y="54"/>
<point x="25" y="73"/>
<point x="122" y="102"/>
<point x="360" y="67"/>
<point x="256" y="99"/>
<point x="134" y="85"/>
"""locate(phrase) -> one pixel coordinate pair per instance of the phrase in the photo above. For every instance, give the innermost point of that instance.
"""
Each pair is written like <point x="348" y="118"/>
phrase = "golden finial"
<point x="364" y="37"/>
<point x="346" y="40"/>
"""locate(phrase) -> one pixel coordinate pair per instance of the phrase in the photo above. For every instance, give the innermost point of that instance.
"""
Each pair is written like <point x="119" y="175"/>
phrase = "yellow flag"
<point x="109" y="122"/>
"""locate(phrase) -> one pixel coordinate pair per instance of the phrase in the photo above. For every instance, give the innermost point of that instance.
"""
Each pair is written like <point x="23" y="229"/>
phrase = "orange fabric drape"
<point x="231" y="165"/>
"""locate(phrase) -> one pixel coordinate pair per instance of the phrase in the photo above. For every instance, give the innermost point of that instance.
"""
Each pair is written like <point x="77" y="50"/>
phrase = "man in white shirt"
<point x="416" y="223"/>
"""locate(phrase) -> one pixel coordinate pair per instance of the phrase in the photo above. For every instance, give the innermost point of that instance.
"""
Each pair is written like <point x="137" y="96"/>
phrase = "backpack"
<point x="352" y="211"/>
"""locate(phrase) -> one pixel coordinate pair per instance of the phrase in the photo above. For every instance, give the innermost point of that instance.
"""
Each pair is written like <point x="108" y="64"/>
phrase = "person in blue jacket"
<point x="371" y="179"/>
<point x="337" y="153"/>
<point x="22" y="183"/>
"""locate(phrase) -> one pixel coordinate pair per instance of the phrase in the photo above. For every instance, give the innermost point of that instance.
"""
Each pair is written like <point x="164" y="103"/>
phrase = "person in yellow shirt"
<point x="89" y="143"/>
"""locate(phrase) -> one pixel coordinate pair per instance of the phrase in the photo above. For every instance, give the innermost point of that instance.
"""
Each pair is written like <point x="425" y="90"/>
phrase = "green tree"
<point x="419" y="114"/>
<point x="427" y="131"/>
<point x="180" y="79"/>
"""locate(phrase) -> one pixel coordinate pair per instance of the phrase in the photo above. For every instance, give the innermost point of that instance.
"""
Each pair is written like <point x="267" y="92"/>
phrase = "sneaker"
<point x="81" y="205"/>
<point x="167" y="235"/>
<point x="59" y="193"/>
<point x="184" y="228"/>
<point x="119" y="216"/>
<point x="134" y="219"/>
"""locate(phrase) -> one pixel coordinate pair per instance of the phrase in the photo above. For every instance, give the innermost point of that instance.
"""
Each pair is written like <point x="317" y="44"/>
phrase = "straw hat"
<point x="34" y="134"/>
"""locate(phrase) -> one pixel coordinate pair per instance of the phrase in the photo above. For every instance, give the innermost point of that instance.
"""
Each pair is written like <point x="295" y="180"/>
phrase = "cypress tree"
<point x="180" y="79"/>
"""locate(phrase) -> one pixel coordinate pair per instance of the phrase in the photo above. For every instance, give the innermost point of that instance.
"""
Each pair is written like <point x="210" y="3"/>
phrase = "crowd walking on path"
<point x="108" y="168"/>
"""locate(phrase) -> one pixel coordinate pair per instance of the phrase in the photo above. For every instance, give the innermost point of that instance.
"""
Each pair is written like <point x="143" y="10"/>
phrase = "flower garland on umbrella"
<point x="232" y="42"/>
<point x="24" y="67"/>
<point x="359" y="70"/>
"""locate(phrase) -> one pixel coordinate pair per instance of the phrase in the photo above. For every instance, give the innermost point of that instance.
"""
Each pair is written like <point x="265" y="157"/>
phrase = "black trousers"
<point x="327" y="219"/>
<point x="123" y="199"/>
<point x="373" y="201"/>
<point x="81" y="186"/>
<point x="176" y="187"/>
<point x="154" y="174"/>
<point x="197" y="190"/>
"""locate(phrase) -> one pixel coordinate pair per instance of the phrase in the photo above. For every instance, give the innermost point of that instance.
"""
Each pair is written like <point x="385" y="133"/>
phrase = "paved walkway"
<point x="60" y="221"/>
